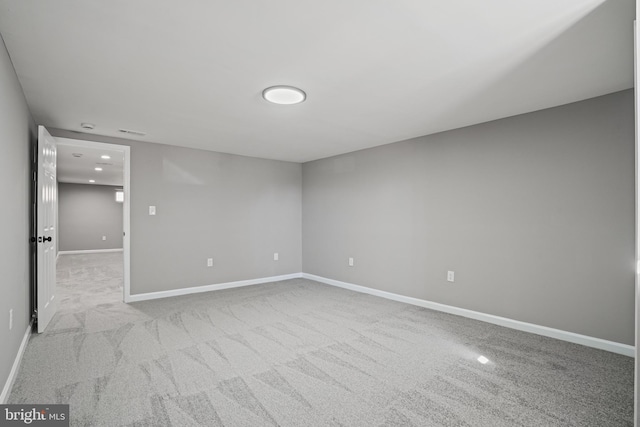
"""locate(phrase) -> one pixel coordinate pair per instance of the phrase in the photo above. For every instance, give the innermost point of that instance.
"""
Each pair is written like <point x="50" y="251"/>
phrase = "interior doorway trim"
<point x="126" y="207"/>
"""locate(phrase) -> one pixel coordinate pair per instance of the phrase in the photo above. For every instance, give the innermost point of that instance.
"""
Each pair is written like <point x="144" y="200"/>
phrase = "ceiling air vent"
<point x="132" y="132"/>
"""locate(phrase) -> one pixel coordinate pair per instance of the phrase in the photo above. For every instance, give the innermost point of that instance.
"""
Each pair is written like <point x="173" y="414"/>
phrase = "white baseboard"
<point x="16" y="366"/>
<point x="601" y="344"/>
<point x="208" y="288"/>
<point x="89" y="251"/>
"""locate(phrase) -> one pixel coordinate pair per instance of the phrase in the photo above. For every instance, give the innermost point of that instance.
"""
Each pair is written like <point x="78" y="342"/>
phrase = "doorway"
<point x="104" y="169"/>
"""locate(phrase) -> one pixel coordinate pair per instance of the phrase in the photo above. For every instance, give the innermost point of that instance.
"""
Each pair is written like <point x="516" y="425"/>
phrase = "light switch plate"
<point x="152" y="210"/>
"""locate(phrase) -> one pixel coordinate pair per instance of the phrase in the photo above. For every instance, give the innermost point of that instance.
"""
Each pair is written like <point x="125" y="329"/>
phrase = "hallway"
<point x="88" y="280"/>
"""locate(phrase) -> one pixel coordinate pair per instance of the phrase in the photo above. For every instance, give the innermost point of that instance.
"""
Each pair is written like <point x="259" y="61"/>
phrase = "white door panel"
<point x="46" y="228"/>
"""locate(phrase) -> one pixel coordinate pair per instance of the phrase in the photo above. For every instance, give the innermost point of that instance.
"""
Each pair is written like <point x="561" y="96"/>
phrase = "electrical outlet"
<point x="11" y="319"/>
<point x="209" y="262"/>
<point x="450" y="276"/>
<point x="152" y="210"/>
<point x="350" y="262"/>
<point x="104" y="237"/>
<point x="276" y="257"/>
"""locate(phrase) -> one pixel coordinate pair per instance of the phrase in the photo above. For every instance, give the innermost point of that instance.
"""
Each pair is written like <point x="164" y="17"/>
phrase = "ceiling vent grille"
<point x="132" y="132"/>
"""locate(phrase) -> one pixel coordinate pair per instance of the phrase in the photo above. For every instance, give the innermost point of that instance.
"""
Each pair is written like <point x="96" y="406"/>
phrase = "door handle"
<point x="44" y="239"/>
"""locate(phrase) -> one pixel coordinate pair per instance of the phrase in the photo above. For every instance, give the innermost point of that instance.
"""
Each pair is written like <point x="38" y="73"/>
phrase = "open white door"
<point x="46" y="230"/>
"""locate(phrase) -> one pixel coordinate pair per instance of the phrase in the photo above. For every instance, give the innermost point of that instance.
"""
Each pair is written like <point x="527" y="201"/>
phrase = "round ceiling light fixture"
<point x="284" y="95"/>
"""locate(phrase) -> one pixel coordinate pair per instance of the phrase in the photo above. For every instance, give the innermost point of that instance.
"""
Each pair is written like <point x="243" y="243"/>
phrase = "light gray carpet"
<point x="300" y="353"/>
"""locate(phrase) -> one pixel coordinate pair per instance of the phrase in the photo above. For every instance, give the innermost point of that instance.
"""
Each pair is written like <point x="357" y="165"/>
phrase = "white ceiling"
<point x="76" y="164"/>
<point x="190" y="73"/>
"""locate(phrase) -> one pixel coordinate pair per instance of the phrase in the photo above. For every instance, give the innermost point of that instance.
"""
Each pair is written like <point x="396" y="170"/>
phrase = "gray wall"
<point x="85" y="214"/>
<point x="237" y="210"/>
<point x="534" y="213"/>
<point x="16" y="131"/>
<point x="637" y="180"/>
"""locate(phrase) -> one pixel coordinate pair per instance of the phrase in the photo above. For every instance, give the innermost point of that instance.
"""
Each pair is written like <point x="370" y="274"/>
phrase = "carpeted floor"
<point x="300" y="353"/>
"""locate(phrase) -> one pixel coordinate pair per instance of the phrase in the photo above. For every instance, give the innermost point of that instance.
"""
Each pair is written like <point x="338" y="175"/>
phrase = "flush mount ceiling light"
<point x="97" y="169"/>
<point x="104" y="156"/>
<point x="285" y="95"/>
<point x="92" y="180"/>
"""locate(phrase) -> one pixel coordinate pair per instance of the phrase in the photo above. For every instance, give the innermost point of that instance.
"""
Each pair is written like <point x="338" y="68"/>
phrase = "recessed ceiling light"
<point x="92" y="180"/>
<point x="104" y="156"/>
<point x="88" y="126"/>
<point x="98" y="169"/>
<point x="285" y="95"/>
<point x="483" y="360"/>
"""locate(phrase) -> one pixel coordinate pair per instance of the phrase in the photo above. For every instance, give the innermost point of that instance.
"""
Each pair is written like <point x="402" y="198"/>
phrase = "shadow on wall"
<point x="503" y="90"/>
